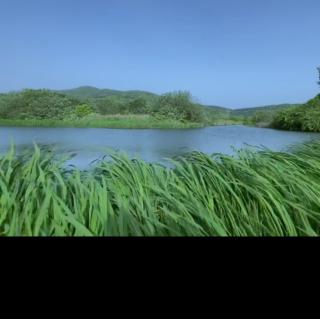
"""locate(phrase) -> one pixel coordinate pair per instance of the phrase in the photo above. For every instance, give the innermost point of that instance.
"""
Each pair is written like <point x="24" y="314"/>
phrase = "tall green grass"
<point x="116" y="121"/>
<point x="252" y="194"/>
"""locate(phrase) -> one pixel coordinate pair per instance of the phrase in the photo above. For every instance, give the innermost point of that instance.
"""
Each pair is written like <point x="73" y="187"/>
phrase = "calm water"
<point x="151" y="145"/>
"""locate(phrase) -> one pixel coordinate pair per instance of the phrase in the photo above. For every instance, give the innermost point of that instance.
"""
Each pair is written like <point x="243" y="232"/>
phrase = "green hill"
<point x="254" y="115"/>
<point x="92" y="103"/>
<point x="248" y="112"/>
<point x="93" y="93"/>
<point x="216" y="114"/>
<point x="219" y="109"/>
<point x="58" y="104"/>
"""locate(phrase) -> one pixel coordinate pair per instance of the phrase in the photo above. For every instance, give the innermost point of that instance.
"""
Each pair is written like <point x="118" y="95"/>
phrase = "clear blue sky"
<point x="235" y="53"/>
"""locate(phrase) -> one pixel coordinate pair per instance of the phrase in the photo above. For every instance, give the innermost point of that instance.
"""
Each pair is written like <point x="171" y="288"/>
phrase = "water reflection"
<point x="87" y="145"/>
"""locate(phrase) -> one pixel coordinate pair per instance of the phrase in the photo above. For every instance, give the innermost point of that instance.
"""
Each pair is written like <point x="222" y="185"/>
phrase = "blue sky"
<point x="234" y="53"/>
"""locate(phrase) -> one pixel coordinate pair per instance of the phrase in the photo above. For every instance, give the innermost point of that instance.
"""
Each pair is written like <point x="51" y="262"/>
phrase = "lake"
<point x="89" y="144"/>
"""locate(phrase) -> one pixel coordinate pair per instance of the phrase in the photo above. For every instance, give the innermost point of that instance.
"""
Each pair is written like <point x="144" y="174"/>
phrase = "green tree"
<point x="179" y="105"/>
<point x="262" y="117"/>
<point x="83" y="110"/>
<point x="36" y="104"/>
<point x="137" y="106"/>
<point x="109" y="105"/>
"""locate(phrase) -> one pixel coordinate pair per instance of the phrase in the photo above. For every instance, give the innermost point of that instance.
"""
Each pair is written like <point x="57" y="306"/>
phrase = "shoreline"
<point x="113" y="123"/>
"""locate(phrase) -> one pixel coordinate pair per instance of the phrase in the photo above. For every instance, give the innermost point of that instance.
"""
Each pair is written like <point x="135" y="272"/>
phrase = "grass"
<point x="222" y="122"/>
<point x="116" y="121"/>
<point x="253" y="194"/>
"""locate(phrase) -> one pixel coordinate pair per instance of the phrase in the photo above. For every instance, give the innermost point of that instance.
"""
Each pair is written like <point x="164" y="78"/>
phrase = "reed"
<point x="254" y="193"/>
<point x="115" y="121"/>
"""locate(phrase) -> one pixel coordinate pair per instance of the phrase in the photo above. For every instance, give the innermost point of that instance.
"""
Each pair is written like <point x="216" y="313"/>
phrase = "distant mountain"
<point x="247" y="112"/>
<point x="86" y="92"/>
<point x="89" y="92"/>
<point x="95" y="94"/>
<point x="219" y="108"/>
<point x="218" y="111"/>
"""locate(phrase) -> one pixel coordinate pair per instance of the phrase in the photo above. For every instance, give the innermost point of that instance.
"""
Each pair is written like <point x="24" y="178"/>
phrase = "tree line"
<point x="46" y="104"/>
<point x="303" y="117"/>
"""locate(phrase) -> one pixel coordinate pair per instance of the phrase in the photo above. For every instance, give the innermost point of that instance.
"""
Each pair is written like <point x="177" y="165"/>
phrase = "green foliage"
<point x="138" y="106"/>
<point x="83" y="110"/>
<point x="50" y="105"/>
<point x="122" y="97"/>
<point x="254" y="194"/>
<point x="130" y="121"/>
<point x="179" y="106"/>
<point x="110" y="105"/>
<point x="270" y="109"/>
<point x="36" y="104"/>
<point x="220" y="112"/>
<point x="261" y="118"/>
<point x="302" y="118"/>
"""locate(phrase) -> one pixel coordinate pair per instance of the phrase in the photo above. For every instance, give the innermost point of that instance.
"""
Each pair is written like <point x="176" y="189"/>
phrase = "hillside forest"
<point x="89" y="103"/>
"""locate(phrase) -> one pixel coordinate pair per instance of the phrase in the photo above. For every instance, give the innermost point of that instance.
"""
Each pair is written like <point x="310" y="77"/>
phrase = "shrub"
<point x="36" y="104"/>
<point x="179" y="106"/>
<point x="137" y="106"/>
<point x="302" y="118"/>
<point x="109" y="105"/>
<point x="83" y="110"/>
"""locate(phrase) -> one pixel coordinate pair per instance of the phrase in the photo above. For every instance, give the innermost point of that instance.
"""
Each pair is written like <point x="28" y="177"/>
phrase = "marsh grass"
<point x="110" y="121"/>
<point x="252" y="194"/>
